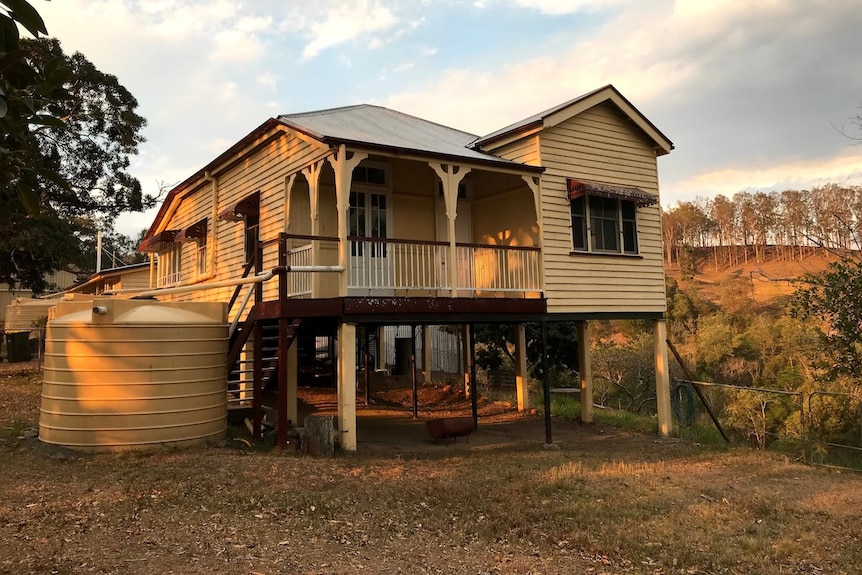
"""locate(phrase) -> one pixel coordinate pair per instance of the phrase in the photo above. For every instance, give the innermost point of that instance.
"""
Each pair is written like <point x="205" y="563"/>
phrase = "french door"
<point x="369" y="259"/>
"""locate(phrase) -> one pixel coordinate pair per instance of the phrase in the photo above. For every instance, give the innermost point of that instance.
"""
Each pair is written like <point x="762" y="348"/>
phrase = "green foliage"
<point x="624" y="373"/>
<point x="835" y="298"/>
<point x="68" y="135"/>
<point x="496" y="346"/>
<point x="687" y="262"/>
<point x="735" y="296"/>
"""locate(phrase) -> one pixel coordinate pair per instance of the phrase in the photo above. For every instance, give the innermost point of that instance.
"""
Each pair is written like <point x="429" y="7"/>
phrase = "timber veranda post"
<point x="474" y="399"/>
<point x="257" y="400"/>
<point x="546" y="383"/>
<point x="283" y="351"/>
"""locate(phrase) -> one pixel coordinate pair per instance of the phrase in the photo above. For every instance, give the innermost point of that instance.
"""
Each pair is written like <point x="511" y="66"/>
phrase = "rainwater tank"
<point x="134" y="374"/>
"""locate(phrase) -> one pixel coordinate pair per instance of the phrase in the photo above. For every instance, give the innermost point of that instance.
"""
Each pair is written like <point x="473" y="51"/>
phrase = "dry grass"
<point x="608" y="501"/>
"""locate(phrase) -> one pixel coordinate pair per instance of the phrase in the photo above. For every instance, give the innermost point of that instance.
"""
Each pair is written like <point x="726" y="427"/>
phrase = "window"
<point x="373" y="175"/>
<point x="170" y="265"/>
<point x="252" y="227"/>
<point x="601" y="224"/>
<point x="202" y="256"/>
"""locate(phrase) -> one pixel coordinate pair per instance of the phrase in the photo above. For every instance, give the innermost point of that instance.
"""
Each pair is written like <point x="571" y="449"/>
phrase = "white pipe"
<point x="261" y="277"/>
<point x="314" y="269"/>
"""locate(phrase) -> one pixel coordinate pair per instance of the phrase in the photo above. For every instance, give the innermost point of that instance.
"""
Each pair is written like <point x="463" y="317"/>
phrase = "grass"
<point x="569" y="408"/>
<point x="613" y="502"/>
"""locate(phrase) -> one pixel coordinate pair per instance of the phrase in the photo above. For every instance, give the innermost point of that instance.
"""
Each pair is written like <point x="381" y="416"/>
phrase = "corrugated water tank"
<point x="134" y="374"/>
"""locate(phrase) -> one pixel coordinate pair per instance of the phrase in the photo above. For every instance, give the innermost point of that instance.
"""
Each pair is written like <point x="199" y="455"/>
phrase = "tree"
<point x="69" y="169"/>
<point x="834" y="297"/>
<point x="498" y="343"/>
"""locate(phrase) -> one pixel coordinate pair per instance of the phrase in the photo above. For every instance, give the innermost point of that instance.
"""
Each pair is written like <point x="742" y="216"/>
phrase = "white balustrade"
<point x="498" y="268"/>
<point x="299" y="283"/>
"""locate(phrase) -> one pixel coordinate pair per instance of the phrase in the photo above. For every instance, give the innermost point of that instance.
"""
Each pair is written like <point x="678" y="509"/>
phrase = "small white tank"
<point x="134" y="374"/>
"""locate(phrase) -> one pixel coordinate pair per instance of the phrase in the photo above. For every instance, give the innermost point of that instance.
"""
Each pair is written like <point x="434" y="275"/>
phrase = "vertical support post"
<point x="312" y="176"/>
<point x="283" y="378"/>
<point x="257" y="382"/>
<point x="284" y="344"/>
<point x="292" y="407"/>
<point x="546" y="383"/>
<point x="521" y="367"/>
<point x="366" y="363"/>
<point x="474" y="394"/>
<point x="413" y="371"/>
<point x="465" y="359"/>
<point x="451" y="176"/>
<point x="347" y="386"/>
<point x="426" y="353"/>
<point x="586" y="371"/>
<point x="662" y="377"/>
<point x="380" y="348"/>
<point x="535" y="185"/>
<point x="343" y="163"/>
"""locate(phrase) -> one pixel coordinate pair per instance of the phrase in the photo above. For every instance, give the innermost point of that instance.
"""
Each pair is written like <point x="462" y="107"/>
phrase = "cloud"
<point x="346" y="22"/>
<point x="731" y="82"/>
<point x="845" y="168"/>
<point x="568" y="6"/>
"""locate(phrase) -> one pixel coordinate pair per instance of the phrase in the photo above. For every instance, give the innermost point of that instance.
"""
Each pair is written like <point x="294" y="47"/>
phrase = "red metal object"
<point x="450" y="427"/>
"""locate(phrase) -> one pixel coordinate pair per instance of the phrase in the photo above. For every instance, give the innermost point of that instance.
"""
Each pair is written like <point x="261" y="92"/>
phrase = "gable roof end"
<point x="553" y="116"/>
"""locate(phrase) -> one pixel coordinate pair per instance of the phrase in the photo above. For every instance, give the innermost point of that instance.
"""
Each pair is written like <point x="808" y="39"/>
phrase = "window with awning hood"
<point x="604" y="217"/>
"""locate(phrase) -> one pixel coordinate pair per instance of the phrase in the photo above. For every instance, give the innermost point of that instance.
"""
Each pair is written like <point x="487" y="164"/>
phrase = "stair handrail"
<point x="246" y="270"/>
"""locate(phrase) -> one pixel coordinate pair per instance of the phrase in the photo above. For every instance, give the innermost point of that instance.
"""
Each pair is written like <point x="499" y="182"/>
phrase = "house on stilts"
<point x="383" y="218"/>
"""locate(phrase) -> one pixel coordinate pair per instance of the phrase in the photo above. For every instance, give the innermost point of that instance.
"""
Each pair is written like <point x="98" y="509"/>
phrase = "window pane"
<point x="252" y="224"/>
<point x="630" y="238"/>
<point x="579" y="224"/>
<point x="376" y="176"/>
<point x="630" y="234"/>
<point x="611" y="236"/>
<point x="604" y="224"/>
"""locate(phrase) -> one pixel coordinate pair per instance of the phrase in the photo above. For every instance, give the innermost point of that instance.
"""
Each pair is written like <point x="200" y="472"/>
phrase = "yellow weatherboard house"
<point x="366" y="217"/>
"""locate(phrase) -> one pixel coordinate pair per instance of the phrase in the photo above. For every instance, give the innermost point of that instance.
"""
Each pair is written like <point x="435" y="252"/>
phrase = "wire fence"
<point x="819" y="427"/>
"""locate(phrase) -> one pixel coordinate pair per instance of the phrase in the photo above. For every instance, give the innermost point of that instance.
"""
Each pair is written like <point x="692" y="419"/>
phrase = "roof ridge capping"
<point x="588" y="100"/>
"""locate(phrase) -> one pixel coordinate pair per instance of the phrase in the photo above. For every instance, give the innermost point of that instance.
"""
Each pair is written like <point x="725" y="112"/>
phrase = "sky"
<point x="755" y="95"/>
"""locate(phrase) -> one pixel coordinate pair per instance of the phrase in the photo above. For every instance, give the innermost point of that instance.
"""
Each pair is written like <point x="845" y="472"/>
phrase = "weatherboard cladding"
<point x="380" y="127"/>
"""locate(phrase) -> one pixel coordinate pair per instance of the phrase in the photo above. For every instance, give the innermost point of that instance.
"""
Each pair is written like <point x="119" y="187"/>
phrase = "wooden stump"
<point x="320" y="434"/>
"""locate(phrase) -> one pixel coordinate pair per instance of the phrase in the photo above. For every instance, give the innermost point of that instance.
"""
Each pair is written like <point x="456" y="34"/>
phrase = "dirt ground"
<point x="602" y="500"/>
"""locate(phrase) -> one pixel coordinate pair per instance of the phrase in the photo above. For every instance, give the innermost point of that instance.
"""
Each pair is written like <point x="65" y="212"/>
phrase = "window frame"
<point x="587" y="218"/>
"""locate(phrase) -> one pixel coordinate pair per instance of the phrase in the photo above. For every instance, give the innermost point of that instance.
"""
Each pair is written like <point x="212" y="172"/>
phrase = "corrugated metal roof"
<point x="376" y="126"/>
